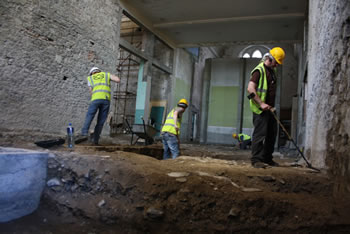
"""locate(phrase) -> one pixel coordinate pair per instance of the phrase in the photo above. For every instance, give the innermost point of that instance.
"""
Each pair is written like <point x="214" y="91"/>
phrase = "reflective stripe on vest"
<point x="245" y="137"/>
<point x="169" y="125"/>
<point x="100" y="84"/>
<point x="261" y="89"/>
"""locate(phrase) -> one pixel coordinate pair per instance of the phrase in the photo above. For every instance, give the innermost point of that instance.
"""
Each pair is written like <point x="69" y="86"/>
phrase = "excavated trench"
<point x="156" y="151"/>
<point x="123" y="189"/>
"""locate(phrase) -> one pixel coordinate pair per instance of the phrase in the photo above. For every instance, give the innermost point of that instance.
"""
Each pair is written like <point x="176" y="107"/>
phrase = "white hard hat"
<point x="94" y="69"/>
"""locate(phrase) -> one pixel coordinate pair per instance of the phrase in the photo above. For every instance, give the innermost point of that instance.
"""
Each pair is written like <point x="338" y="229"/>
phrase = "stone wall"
<point x="328" y="115"/>
<point x="46" y="51"/>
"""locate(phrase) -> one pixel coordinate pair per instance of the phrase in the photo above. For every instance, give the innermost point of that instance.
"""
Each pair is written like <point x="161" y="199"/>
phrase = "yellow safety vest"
<point x="245" y="137"/>
<point x="262" y="88"/>
<point x="169" y="125"/>
<point x="100" y="84"/>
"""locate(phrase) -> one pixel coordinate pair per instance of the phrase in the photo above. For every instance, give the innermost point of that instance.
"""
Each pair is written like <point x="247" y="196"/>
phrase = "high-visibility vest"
<point x="169" y="125"/>
<point x="245" y="137"/>
<point x="261" y="89"/>
<point x="100" y="84"/>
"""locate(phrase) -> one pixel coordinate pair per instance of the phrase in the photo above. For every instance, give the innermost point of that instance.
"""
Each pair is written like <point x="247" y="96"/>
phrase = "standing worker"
<point x="171" y="130"/>
<point x="243" y="140"/>
<point x="262" y="91"/>
<point x="100" y="90"/>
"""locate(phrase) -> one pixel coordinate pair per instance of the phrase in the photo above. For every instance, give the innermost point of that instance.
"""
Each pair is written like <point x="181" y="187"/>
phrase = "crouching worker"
<point x="244" y="140"/>
<point x="171" y="130"/>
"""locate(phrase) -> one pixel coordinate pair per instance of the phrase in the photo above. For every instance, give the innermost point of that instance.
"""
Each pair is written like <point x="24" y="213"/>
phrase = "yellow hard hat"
<point x="183" y="103"/>
<point x="278" y="54"/>
<point x="234" y="135"/>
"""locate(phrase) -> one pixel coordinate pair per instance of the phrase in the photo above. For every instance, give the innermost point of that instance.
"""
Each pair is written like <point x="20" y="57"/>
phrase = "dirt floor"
<point x="118" y="188"/>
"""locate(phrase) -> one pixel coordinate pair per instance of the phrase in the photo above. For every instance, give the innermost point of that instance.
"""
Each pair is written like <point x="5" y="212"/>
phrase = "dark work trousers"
<point x="264" y="137"/>
<point x="245" y="143"/>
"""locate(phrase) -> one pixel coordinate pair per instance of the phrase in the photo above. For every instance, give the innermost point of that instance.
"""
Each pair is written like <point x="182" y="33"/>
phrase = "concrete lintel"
<point x="230" y="19"/>
<point x="131" y="49"/>
<point x="162" y="67"/>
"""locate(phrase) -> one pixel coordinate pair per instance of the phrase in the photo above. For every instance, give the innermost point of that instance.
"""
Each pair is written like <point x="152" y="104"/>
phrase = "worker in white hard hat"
<point x="171" y="130"/>
<point x="262" y="92"/>
<point x="100" y="90"/>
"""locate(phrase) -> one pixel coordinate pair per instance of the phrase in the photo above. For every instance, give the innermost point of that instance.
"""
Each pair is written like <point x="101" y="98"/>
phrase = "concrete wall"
<point x="181" y="85"/>
<point x="328" y="114"/>
<point x="223" y="100"/>
<point x="197" y="91"/>
<point x="46" y="51"/>
<point x="22" y="180"/>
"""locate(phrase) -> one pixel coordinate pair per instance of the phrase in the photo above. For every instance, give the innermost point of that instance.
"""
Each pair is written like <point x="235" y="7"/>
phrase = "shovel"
<point x="251" y="96"/>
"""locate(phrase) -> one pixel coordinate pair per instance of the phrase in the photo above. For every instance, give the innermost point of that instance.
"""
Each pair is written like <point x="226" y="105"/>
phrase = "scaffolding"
<point x="127" y="69"/>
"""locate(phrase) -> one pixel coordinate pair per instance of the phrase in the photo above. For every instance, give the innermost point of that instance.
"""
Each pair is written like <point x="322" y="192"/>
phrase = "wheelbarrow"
<point x="143" y="131"/>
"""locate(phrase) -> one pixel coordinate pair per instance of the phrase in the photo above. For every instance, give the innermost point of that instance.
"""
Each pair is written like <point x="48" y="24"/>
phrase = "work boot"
<point x="259" y="165"/>
<point x="80" y="138"/>
<point x="272" y="163"/>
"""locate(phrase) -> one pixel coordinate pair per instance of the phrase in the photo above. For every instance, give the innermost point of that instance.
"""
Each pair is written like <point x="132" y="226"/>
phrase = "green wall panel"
<point x="223" y="105"/>
<point x="141" y="96"/>
<point x="138" y="115"/>
<point x="182" y="90"/>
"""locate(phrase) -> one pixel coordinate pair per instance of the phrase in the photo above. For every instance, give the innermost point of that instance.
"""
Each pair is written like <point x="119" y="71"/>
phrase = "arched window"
<point x="246" y="55"/>
<point x="253" y="51"/>
<point x="257" y="54"/>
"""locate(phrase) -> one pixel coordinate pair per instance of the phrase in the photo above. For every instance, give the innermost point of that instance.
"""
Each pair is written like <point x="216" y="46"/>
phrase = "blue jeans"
<point x="103" y="108"/>
<point x="170" y="145"/>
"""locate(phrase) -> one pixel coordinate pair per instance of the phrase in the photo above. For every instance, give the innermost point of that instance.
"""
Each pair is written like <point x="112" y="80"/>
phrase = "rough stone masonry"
<point x="328" y="116"/>
<point x="46" y="51"/>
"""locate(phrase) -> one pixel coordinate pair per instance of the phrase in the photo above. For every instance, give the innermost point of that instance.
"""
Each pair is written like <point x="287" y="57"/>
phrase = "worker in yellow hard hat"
<point x="244" y="140"/>
<point x="262" y="93"/>
<point x="171" y="130"/>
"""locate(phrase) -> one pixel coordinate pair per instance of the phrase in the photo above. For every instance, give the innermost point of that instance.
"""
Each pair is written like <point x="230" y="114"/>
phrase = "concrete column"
<point x="144" y="80"/>
<point x="148" y="40"/>
<point x="205" y="101"/>
<point x="242" y="79"/>
<point x="141" y="96"/>
<point x="278" y="102"/>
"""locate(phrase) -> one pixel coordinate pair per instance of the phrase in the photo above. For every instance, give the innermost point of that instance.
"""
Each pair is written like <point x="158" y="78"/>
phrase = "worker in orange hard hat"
<point x="262" y="92"/>
<point x="171" y="130"/>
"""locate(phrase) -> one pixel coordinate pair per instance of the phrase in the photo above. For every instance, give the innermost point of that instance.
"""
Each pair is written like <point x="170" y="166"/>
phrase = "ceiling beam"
<point x="233" y="43"/>
<point x="230" y="19"/>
